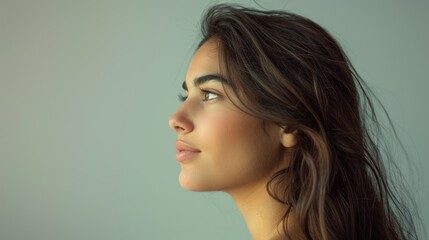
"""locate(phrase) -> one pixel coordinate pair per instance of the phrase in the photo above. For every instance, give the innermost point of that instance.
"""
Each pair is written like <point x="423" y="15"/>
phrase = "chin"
<point x="195" y="185"/>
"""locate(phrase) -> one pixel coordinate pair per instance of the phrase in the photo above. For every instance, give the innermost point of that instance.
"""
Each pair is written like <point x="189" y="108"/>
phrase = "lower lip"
<point x="185" y="155"/>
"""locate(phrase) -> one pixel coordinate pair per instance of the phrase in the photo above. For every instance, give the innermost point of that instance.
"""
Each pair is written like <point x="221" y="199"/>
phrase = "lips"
<point x="185" y="151"/>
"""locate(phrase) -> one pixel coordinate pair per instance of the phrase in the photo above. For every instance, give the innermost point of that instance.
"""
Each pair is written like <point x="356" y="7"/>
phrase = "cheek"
<point x="235" y="152"/>
<point x="224" y="132"/>
<point x="218" y="134"/>
<point x="233" y="149"/>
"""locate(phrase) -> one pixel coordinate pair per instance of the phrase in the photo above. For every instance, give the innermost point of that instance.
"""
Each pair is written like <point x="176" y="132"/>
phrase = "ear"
<point x="288" y="138"/>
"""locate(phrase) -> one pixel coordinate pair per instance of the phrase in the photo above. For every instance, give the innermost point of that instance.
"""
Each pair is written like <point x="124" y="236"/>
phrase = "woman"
<point x="274" y="115"/>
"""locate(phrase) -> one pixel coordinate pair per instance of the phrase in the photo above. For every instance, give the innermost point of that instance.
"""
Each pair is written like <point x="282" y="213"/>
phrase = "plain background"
<point x="87" y="87"/>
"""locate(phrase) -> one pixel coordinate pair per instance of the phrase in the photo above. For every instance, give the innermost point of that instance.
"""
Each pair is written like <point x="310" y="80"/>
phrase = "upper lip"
<point x="184" y="146"/>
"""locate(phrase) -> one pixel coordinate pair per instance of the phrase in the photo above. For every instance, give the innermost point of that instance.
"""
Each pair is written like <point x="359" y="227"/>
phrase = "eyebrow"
<point x="205" y="78"/>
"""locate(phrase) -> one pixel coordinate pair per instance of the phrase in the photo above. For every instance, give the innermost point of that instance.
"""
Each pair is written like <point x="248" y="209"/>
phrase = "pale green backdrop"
<point x="87" y="87"/>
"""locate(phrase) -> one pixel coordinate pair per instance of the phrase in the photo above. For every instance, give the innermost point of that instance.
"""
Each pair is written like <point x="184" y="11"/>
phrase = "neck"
<point x="262" y="213"/>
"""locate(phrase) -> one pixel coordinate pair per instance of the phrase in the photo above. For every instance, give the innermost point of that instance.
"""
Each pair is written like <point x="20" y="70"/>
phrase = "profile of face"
<point x="224" y="149"/>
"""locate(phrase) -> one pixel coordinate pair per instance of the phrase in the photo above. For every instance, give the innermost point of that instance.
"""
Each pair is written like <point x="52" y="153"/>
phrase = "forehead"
<point x="205" y="60"/>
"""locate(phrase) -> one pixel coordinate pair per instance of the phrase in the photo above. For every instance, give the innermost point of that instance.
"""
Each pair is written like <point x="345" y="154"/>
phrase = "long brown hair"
<point x="286" y="69"/>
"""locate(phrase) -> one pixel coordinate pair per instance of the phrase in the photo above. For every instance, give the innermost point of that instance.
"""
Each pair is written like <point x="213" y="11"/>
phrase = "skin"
<point x="236" y="156"/>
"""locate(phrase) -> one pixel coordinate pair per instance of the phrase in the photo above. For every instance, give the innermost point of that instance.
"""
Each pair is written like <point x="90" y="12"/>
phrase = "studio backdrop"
<point x="87" y="88"/>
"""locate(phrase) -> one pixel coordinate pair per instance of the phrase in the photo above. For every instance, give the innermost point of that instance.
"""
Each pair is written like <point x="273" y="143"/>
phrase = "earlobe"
<point x="288" y="138"/>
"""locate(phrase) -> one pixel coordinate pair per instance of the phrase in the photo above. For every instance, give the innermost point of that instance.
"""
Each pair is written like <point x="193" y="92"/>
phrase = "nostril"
<point x="175" y="126"/>
<point x="180" y="123"/>
<point x="179" y="128"/>
<point x="173" y="122"/>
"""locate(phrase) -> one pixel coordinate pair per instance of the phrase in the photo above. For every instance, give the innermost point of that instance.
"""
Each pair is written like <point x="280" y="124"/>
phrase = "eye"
<point x="209" y="95"/>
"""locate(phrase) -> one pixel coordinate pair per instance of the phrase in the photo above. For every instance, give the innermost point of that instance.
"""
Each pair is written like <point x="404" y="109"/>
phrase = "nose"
<point x="180" y="123"/>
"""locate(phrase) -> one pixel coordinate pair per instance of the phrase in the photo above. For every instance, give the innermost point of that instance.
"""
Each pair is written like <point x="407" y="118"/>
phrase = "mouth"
<point x="185" y="151"/>
<point x="185" y="155"/>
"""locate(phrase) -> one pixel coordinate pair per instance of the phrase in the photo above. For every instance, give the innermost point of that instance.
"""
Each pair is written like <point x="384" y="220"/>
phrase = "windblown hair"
<point x="286" y="69"/>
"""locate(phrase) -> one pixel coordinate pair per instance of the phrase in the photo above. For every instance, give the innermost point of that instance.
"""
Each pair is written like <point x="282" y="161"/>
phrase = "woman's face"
<point x="230" y="150"/>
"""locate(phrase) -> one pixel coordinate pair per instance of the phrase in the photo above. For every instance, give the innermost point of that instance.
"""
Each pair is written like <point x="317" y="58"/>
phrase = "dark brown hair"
<point x="286" y="69"/>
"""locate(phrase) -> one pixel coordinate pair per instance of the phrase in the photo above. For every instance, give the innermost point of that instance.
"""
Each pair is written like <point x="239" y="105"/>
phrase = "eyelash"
<point x="204" y="92"/>
<point x="182" y="98"/>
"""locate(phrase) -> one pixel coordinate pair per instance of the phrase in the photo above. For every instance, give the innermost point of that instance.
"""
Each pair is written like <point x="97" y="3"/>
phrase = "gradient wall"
<point x="87" y="87"/>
